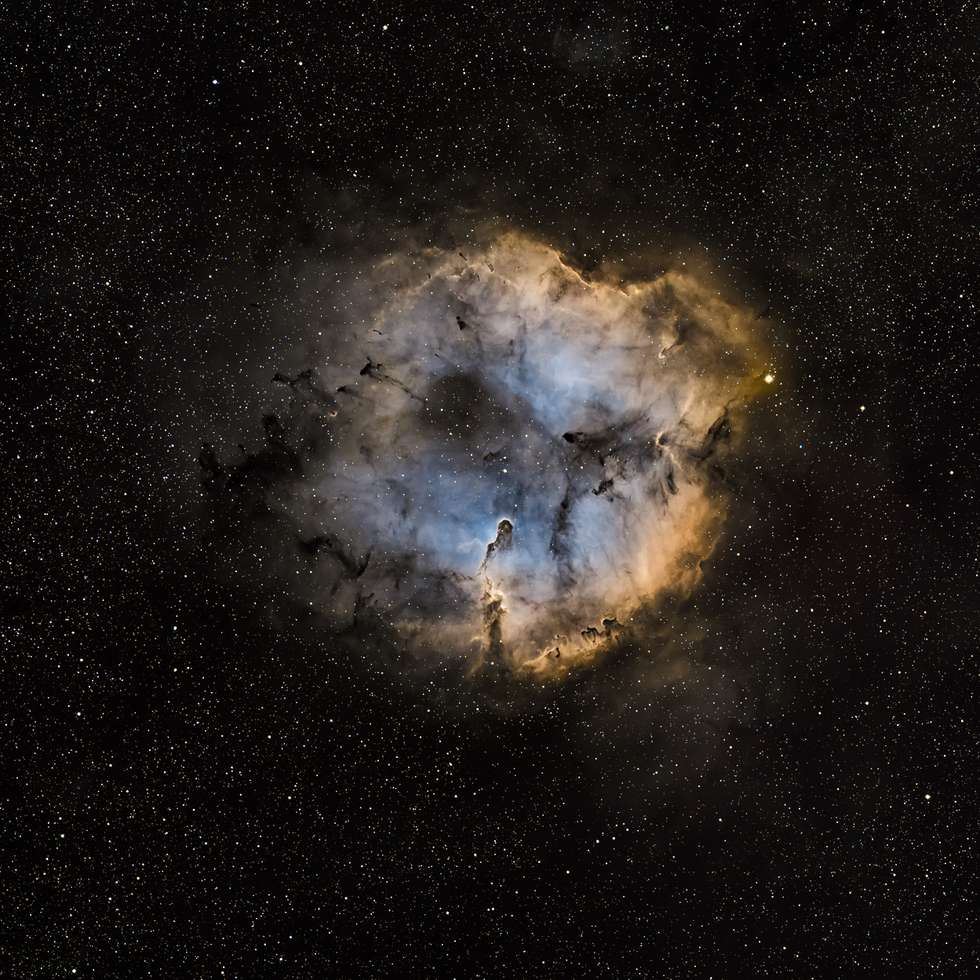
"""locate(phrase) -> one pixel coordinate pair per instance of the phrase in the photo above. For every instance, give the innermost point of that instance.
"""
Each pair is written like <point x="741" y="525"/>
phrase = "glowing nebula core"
<point x="504" y="464"/>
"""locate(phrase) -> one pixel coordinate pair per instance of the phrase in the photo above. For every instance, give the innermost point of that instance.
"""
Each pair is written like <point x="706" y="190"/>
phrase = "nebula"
<point x="498" y="461"/>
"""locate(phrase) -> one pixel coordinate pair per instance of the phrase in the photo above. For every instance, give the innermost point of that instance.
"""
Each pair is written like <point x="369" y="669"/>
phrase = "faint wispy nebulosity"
<point x="497" y="460"/>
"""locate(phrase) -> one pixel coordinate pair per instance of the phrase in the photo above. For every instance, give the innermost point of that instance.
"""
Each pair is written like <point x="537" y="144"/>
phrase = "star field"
<point x="775" y="779"/>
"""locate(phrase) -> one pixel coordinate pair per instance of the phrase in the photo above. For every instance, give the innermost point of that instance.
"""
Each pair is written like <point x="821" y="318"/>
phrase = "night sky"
<point x="493" y="490"/>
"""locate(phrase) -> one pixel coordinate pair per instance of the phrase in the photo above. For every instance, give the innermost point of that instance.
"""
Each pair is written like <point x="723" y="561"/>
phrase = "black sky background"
<point x="195" y="791"/>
